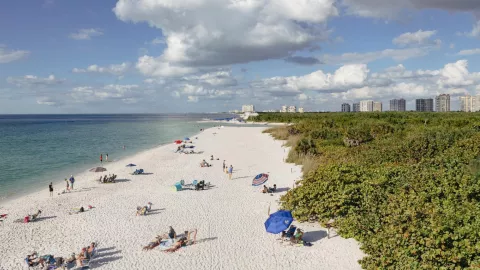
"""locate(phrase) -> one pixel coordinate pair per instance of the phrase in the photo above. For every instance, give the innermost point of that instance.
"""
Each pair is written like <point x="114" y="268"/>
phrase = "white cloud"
<point x="126" y="93"/>
<point x="86" y="34"/>
<point x="155" y="67"/>
<point x="475" y="31"/>
<point x="211" y="32"/>
<point x="7" y="56"/>
<point x="345" y="77"/>
<point x="117" y="70"/>
<point x="49" y="101"/>
<point x="215" y="79"/>
<point x="34" y="81"/>
<point x="415" y="38"/>
<point x="157" y="41"/>
<point x="469" y="52"/>
<point x="364" y="58"/>
<point x="193" y="99"/>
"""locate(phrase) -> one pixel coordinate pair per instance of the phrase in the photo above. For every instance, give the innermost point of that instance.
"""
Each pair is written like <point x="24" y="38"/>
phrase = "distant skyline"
<point x="162" y="56"/>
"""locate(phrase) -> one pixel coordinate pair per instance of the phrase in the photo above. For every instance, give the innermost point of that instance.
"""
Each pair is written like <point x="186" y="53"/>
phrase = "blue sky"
<point x="158" y="56"/>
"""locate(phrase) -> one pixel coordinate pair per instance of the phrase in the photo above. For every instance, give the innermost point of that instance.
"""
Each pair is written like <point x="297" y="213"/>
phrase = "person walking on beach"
<point x="101" y="158"/>
<point x="230" y="171"/>
<point x="106" y="157"/>
<point x="72" y="180"/>
<point x="68" y="185"/>
<point x="50" y="187"/>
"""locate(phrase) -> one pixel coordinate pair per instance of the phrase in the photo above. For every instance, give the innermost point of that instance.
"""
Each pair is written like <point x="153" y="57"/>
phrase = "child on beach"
<point x="106" y="157"/>
<point x="50" y="187"/>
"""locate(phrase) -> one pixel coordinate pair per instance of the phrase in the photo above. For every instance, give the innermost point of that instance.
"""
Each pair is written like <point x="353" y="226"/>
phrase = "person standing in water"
<point x="106" y="157"/>
<point x="50" y="187"/>
<point x="101" y="158"/>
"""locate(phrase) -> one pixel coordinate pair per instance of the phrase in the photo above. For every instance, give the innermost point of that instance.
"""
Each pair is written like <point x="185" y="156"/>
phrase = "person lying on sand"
<point x="184" y="241"/>
<point x="82" y="256"/>
<point x="32" y="259"/>
<point x="153" y="244"/>
<point x="91" y="248"/>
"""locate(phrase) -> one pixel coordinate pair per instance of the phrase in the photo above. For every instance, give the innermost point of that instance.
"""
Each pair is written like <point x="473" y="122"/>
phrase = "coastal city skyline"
<point x="150" y="57"/>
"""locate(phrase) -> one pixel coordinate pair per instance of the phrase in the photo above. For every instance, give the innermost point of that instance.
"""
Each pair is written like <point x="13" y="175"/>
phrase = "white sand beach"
<point x="229" y="216"/>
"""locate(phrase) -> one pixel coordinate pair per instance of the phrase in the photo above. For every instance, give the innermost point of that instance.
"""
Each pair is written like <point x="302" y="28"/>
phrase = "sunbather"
<point x="153" y="244"/>
<point x="91" y="248"/>
<point x="171" y="233"/>
<point x="82" y="256"/>
<point x="290" y="232"/>
<point x="32" y="259"/>
<point x="297" y="238"/>
<point x="265" y="189"/>
<point x="35" y="216"/>
<point x="272" y="190"/>
<point x="184" y="241"/>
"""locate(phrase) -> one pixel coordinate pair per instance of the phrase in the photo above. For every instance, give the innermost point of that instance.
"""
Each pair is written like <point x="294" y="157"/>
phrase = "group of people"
<point x="205" y="164"/>
<point x="110" y="179"/>
<point x="169" y="240"/>
<point x="228" y="170"/>
<point x="269" y="189"/>
<point x="79" y="260"/>
<point x="106" y="156"/>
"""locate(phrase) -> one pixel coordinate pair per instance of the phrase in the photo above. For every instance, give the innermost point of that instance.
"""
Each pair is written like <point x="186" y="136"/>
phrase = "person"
<point x="101" y="158"/>
<point x="211" y="157"/>
<point x="224" y="165"/>
<point x="50" y="187"/>
<point x="153" y="244"/>
<point x="72" y="180"/>
<point x="230" y="172"/>
<point x="35" y="216"/>
<point x="68" y="185"/>
<point x="272" y="190"/>
<point x="82" y="256"/>
<point x="184" y="241"/>
<point x="106" y="157"/>
<point x="91" y="248"/>
<point x="265" y="189"/>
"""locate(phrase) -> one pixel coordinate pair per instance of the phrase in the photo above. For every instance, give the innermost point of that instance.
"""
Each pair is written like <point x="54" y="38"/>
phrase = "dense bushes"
<point x="409" y="190"/>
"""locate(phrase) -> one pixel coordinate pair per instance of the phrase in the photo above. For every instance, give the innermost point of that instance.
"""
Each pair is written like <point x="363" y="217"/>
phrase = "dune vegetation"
<point x="403" y="184"/>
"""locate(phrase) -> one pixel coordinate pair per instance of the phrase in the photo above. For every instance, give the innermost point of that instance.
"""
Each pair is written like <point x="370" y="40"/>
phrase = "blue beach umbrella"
<point x="260" y="179"/>
<point x="186" y="139"/>
<point x="278" y="221"/>
<point x="130" y="165"/>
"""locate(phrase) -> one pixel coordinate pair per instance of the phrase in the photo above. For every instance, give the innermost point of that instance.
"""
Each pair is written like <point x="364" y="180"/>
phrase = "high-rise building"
<point x="424" y="105"/>
<point x="397" y="105"/>
<point x="248" y="108"/>
<point x="377" y="106"/>
<point x="442" y="103"/>
<point x="468" y="103"/>
<point x="345" y="107"/>
<point x="292" y="109"/>
<point x="356" y="107"/>
<point x="284" y="108"/>
<point x="366" y="106"/>
<point x="301" y="110"/>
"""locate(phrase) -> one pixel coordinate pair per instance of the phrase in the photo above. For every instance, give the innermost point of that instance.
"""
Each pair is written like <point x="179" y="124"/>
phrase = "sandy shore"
<point x="229" y="217"/>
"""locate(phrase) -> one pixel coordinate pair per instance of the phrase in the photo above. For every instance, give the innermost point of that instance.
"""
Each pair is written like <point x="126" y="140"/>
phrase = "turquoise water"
<point x="38" y="149"/>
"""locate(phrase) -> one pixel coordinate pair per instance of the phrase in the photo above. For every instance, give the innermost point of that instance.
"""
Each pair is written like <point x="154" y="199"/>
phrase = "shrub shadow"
<point x="314" y="236"/>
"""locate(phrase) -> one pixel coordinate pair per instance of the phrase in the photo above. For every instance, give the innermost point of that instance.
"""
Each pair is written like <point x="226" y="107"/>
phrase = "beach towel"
<point x="166" y="244"/>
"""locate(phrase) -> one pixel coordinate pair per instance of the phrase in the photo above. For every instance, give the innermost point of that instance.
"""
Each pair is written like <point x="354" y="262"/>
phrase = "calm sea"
<point x="38" y="149"/>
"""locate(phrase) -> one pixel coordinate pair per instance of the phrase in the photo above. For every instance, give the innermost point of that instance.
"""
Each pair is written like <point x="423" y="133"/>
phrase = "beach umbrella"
<point x="187" y="139"/>
<point x="98" y="169"/>
<point x="130" y="165"/>
<point x="260" y="179"/>
<point x="178" y="141"/>
<point x="279" y="221"/>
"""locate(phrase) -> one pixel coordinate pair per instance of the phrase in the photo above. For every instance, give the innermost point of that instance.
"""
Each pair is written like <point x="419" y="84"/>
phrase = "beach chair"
<point x="286" y="235"/>
<point x="178" y="187"/>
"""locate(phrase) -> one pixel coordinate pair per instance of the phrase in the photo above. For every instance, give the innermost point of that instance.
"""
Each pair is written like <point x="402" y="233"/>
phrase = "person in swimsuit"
<point x="153" y="244"/>
<point x="184" y="241"/>
<point x="50" y="187"/>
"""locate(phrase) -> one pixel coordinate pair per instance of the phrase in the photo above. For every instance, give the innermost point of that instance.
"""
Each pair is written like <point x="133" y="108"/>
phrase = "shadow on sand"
<point x="314" y="236"/>
<point x="206" y="240"/>
<point x="122" y="180"/>
<point x="44" y="218"/>
<point x="104" y="258"/>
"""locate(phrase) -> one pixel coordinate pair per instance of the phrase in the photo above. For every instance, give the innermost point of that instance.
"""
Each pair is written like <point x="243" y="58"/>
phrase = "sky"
<point x="176" y="56"/>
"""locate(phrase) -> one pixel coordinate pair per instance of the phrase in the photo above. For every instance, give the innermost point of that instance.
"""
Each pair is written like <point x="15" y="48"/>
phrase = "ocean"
<point x="38" y="149"/>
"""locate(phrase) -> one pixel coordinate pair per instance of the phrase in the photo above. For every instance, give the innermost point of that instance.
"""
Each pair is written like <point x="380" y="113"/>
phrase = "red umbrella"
<point x="178" y="141"/>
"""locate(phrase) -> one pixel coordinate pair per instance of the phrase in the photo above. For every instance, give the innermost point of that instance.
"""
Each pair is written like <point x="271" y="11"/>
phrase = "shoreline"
<point x="229" y="216"/>
<point x="83" y="171"/>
